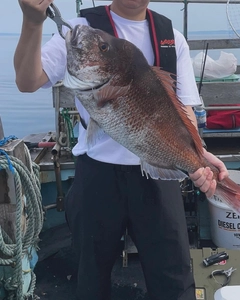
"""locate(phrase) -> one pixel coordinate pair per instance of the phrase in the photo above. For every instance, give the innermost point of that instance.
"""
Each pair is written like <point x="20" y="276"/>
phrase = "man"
<point x="109" y="192"/>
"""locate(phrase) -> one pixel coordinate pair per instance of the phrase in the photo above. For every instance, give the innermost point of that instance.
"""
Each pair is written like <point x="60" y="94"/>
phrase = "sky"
<point x="202" y="17"/>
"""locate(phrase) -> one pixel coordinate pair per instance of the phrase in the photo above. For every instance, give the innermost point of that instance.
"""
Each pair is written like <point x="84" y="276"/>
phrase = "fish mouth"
<point x="97" y="87"/>
<point x="74" y="35"/>
<point x="73" y="82"/>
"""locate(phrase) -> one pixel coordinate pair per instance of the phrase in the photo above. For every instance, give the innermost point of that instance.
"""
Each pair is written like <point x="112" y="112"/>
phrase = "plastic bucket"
<point x="224" y="222"/>
<point x="228" y="293"/>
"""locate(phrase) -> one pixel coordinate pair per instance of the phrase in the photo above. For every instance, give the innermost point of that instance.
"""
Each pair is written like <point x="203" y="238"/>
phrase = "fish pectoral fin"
<point x="110" y="92"/>
<point x="94" y="133"/>
<point x="162" y="173"/>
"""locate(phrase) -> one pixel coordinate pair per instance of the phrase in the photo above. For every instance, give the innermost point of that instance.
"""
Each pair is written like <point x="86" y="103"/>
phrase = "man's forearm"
<point x="27" y="59"/>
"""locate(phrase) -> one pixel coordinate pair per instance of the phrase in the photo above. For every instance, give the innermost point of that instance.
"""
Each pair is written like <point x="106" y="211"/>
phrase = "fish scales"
<point x="137" y="106"/>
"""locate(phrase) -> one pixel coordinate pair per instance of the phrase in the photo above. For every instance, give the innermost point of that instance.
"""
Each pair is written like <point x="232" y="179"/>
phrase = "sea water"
<point x="27" y="113"/>
<point x="21" y="113"/>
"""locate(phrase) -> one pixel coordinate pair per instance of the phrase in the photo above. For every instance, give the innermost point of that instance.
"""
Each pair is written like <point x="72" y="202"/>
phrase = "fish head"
<point x="94" y="57"/>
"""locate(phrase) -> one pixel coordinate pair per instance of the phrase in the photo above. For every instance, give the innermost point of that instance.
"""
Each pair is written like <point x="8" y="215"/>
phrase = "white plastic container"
<point x="228" y="293"/>
<point x="224" y="222"/>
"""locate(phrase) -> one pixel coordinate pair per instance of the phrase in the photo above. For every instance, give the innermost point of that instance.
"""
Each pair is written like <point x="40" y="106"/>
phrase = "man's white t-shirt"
<point x="137" y="32"/>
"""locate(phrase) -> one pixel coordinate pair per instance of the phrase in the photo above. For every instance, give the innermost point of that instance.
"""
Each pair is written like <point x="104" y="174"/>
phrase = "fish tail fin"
<point x="229" y="192"/>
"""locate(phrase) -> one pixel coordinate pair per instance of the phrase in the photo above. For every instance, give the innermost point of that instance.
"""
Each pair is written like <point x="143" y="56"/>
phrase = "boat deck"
<point x="56" y="273"/>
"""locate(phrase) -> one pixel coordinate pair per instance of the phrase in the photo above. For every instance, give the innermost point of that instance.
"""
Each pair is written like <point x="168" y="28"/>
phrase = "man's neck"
<point x="135" y="14"/>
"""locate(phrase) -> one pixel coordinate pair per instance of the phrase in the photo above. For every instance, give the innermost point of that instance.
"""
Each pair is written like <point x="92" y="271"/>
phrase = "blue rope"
<point x="3" y="142"/>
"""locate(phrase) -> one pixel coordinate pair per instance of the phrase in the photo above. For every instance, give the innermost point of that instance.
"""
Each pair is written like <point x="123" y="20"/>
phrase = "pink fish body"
<point x="137" y="106"/>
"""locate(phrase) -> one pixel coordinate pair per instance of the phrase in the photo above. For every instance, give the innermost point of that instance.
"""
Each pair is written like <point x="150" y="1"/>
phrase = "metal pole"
<point x="185" y="19"/>
<point x="1" y="130"/>
<point x="78" y="5"/>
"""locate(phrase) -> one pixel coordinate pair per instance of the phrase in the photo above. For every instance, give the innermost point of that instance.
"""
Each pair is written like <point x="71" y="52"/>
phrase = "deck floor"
<point x="56" y="271"/>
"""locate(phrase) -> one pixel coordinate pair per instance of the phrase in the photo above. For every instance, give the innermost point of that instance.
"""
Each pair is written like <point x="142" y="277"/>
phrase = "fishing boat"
<point x="36" y="257"/>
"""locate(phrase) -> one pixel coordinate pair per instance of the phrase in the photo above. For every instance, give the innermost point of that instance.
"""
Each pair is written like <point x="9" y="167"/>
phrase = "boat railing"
<point x="186" y="3"/>
<point x="223" y="90"/>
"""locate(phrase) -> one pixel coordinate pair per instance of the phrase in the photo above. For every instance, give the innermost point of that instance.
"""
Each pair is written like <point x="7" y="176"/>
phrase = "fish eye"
<point x="104" y="47"/>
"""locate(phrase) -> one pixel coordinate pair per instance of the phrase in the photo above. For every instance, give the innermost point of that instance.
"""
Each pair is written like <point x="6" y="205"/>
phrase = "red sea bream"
<point x="136" y="105"/>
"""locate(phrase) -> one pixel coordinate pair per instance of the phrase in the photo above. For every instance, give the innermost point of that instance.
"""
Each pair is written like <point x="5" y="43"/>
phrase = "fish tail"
<point x="229" y="192"/>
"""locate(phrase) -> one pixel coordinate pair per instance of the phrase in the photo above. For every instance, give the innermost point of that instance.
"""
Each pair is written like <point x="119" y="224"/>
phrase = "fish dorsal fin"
<point x="162" y="173"/>
<point x="110" y="92"/>
<point x="94" y="133"/>
<point x="169" y="84"/>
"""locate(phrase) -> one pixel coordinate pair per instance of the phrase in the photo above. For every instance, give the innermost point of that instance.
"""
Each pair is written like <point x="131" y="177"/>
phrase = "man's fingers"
<point x="211" y="189"/>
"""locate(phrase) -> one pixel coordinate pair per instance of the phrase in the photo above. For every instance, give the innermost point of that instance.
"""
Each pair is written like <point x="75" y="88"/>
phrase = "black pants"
<point x="107" y="198"/>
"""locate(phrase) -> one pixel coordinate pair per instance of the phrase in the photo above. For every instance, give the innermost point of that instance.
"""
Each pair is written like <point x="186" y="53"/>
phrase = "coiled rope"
<point x="28" y="198"/>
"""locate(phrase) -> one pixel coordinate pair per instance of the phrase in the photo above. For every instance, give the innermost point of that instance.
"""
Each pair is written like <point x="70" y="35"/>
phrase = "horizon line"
<point x="194" y="31"/>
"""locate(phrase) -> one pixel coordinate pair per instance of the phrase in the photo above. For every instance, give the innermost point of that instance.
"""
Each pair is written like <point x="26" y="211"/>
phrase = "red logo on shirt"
<point x="167" y="43"/>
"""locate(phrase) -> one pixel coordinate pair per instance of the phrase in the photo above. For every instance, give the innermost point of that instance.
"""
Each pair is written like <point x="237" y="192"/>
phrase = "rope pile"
<point x="28" y="199"/>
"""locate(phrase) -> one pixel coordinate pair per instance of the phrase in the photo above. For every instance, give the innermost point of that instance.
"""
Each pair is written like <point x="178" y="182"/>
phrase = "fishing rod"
<point x="233" y="15"/>
<point x="203" y="68"/>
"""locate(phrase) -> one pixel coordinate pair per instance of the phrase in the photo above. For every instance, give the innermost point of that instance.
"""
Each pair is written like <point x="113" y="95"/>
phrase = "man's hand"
<point x="203" y="177"/>
<point x="34" y="11"/>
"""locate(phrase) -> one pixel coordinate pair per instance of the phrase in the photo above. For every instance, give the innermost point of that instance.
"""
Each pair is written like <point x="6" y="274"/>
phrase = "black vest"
<point x="161" y="33"/>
